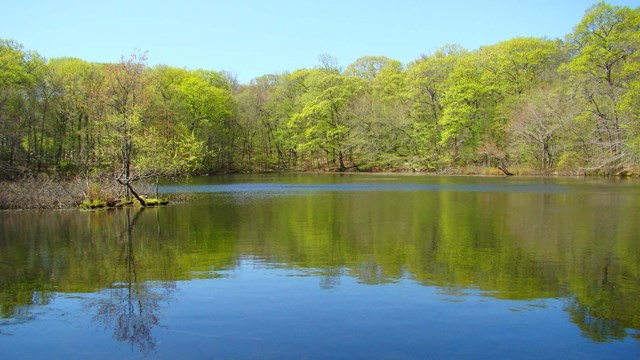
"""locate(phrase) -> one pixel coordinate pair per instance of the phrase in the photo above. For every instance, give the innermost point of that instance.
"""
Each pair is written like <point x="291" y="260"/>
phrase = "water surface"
<point x="332" y="266"/>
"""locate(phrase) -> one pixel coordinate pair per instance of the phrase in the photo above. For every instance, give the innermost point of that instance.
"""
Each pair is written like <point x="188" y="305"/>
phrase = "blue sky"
<point x="253" y="38"/>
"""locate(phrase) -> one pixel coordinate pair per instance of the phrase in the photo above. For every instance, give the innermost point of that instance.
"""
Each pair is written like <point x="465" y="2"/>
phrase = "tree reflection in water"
<point x="581" y="247"/>
<point x="130" y="307"/>
<point x="594" y="326"/>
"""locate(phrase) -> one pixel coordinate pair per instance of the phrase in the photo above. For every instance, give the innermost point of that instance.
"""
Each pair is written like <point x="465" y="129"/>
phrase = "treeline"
<point x="567" y="105"/>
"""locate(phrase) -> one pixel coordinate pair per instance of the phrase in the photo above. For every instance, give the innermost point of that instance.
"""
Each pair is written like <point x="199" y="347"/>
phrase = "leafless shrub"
<point x="43" y="192"/>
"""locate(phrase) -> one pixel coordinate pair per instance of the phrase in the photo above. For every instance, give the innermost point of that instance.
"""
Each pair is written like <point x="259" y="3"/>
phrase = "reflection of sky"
<point x="258" y="309"/>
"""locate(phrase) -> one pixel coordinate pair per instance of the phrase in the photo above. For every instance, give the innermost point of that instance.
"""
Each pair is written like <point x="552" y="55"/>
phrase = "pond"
<point x="332" y="266"/>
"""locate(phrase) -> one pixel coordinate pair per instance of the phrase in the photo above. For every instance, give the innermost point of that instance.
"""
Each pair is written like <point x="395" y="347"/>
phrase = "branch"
<point x="606" y="162"/>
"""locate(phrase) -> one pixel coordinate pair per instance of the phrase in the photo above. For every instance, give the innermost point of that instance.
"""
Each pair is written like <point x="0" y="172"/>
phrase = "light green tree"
<point x="22" y="115"/>
<point x="381" y="137"/>
<point x="427" y="83"/>
<point x="324" y="122"/>
<point x="210" y="109"/>
<point x="510" y="68"/>
<point x="15" y="80"/>
<point x="80" y="106"/>
<point x="159" y="156"/>
<point x="603" y="69"/>
<point x="468" y="108"/>
<point x="284" y="101"/>
<point x="481" y="92"/>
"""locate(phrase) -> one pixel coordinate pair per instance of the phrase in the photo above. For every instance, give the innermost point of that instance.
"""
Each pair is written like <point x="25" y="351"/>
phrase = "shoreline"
<point x="44" y="193"/>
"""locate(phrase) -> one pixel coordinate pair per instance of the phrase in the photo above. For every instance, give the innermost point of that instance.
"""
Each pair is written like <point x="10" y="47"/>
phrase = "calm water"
<point x="332" y="266"/>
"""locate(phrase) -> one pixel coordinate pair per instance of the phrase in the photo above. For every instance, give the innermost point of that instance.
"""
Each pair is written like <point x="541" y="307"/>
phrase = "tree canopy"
<point x="568" y="105"/>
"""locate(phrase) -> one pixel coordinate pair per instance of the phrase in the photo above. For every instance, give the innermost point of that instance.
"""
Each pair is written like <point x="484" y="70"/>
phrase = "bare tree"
<point x="537" y="125"/>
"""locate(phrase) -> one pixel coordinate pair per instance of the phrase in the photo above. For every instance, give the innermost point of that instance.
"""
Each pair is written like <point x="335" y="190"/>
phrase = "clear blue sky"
<point x="252" y="38"/>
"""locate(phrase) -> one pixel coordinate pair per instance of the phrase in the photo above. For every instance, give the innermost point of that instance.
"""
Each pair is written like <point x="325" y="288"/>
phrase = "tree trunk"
<point x="127" y="184"/>
<point x="135" y="194"/>
<point x="341" y="161"/>
<point x="504" y="170"/>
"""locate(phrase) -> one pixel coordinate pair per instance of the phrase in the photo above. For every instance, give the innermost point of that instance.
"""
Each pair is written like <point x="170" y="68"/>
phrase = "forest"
<point x="532" y="105"/>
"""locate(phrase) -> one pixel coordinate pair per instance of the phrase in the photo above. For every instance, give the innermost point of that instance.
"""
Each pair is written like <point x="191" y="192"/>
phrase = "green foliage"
<point x="93" y="204"/>
<point x="452" y="108"/>
<point x="324" y="124"/>
<point x="604" y="69"/>
<point x="160" y="156"/>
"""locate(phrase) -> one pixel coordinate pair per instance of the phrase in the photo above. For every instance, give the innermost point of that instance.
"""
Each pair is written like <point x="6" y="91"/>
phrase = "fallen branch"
<point x="504" y="170"/>
<point x="127" y="183"/>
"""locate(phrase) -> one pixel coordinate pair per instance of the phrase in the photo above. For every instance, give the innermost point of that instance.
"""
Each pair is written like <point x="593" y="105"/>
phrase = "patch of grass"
<point x="155" y="202"/>
<point x="93" y="204"/>
<point x="86" y="204"/>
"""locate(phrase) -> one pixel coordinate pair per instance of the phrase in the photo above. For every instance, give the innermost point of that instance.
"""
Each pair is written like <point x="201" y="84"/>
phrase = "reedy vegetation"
<point x="546" y="105"/>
